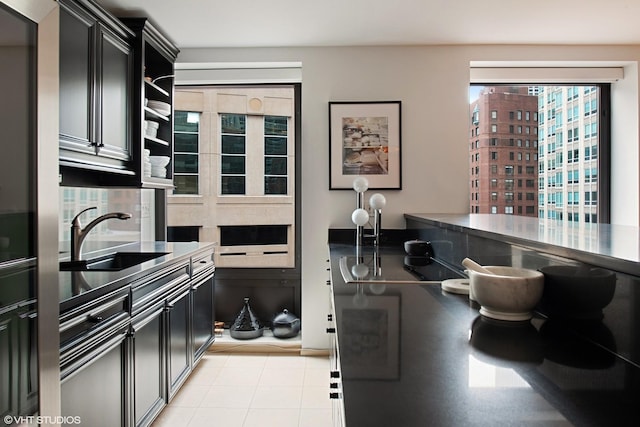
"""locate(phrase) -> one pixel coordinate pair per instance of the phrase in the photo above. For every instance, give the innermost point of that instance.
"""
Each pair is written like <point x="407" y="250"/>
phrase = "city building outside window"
<point x="564" y="125"/>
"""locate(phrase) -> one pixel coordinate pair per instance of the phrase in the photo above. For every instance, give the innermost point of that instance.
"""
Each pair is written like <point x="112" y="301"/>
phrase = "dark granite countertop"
<point x="616" y="247"/>
<point x="76" y="288"/>
<point x="413" y="355"/>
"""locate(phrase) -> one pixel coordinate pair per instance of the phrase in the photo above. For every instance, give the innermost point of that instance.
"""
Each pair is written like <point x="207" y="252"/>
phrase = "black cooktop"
<point x="392" y="268"/>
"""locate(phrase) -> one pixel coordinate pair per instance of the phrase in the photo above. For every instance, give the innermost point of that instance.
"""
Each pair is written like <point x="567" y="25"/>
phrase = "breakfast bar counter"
<point x="410" y="354"/>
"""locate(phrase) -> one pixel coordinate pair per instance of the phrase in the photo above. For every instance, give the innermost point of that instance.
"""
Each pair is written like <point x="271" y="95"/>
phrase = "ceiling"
<point x="286" y="23"/>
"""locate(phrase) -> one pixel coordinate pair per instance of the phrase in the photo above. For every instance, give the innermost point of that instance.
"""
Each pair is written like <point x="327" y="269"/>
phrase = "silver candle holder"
<point x="362" y="215"/>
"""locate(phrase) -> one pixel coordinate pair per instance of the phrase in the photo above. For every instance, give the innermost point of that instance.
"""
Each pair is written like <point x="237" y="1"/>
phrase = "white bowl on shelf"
<point x="151" y="133"/>
<point x="159" y="161"/>
<point x="160" y="107"/>
<point x="150" y="124"/>
<point x="158" y="104"/>
<point x="159" y="172"/>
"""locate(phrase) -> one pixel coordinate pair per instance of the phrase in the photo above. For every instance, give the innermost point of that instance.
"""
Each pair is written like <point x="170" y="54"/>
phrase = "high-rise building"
<point x="503" y="151"/>
<point x="568" y="153"/>
<point x="534" y="151"/>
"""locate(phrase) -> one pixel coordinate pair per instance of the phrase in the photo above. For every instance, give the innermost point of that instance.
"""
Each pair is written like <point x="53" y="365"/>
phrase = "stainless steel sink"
<point x="113" y="262"/>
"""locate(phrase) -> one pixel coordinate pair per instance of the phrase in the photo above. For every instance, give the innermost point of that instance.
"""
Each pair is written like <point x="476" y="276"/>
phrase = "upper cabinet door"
<point x="96" y="69"/>
<point x="115" y="76"/>
<point x="77" y="81"/>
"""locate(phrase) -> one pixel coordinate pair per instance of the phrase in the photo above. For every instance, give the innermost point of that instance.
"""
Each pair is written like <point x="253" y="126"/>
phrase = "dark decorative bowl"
<point x="576" y="292"/>
<point x="418" y="248"/>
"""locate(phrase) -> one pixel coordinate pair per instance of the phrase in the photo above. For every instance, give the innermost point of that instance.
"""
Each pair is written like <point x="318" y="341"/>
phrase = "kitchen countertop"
<point x="609" y="246"/>
<point x="413" y="355"/>
<point x="78" y="287"/>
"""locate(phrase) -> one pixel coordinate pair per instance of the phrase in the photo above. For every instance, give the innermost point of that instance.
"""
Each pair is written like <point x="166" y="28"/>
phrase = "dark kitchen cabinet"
<point x="94" y="394"/>
<point x="18" y="346"/>
<point x="202" y="299"/>
<point x="96" y="69"/>
<point x="178" y="312"/>
<point x="8" y="390"/>
<point x="153" y="82"/>
<point x="93" y="361"/>
<point x="148" y="365"/>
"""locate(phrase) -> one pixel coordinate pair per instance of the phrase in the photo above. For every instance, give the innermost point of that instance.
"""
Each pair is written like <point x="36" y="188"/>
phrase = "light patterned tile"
<point x="227" y="417"/>
<point x="281" y="377"/>
<point x="277" y="397"/>
<point x="205" y="374"/>
<point x="190" y="395"/>
<point x="174" y="416"/>
<point x="246" y="361"/>
<point x="316" y="377"/>
<point x="238" y="376"/>
<point x="269" y="417"/>
<point x="281" y="361"/>
<point x="311" y="417"/>
<point x="315" y="397"/>
<point x="317" y="362"/>
<point x="231" y="396"/>
<point x="213" y="359"/>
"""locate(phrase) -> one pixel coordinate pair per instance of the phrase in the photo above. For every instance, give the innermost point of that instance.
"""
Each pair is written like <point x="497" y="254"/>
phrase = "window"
<point x="185" y="153"/>
<point x="508" y="184"/>
<point x="233" y="153"/>
<point x="275" y="159"/>
<point x="494" y="128"/>
<point x="564" y="124"/>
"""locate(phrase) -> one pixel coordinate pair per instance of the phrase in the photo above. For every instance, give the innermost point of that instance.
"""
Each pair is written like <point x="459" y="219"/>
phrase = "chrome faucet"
<point x="78" y="234"/>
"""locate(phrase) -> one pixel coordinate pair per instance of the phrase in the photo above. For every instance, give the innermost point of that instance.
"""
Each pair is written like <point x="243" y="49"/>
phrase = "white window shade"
<point x="552" y="75"/>
<point x="210" y="73"/>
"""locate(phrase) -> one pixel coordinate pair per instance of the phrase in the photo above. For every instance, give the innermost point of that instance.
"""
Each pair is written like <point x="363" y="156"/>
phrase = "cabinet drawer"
<point x="151" y="288"/>
<point x="84" y="326"/>
<point x="202" y="265"/>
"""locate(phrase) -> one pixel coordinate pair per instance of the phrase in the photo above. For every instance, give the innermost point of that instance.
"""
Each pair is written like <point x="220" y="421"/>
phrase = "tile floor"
<point x="247" y="390"/>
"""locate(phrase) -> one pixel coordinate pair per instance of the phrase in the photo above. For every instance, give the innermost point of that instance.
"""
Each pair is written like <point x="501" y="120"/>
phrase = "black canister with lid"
<point x="285" y="325"/>
<point x="247" y="325"/>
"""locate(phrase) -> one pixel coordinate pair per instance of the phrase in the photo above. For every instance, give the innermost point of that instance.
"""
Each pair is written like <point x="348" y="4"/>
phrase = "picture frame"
<point x="365" y="140"/>
<point x="370" y="338"/>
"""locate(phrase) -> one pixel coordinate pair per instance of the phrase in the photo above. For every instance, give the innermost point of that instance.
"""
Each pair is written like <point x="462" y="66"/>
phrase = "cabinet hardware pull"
<point x="334" y="374"/>
<point x="334" y="395"/>
<point x="333" y="385"/>
<point x="330" y="317"/>
<point x="331" y="330"/>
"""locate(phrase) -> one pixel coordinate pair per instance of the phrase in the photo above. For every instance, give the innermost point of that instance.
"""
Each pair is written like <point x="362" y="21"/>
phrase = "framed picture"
<point x="364" y="140"/>
<point x="370" y="337"/>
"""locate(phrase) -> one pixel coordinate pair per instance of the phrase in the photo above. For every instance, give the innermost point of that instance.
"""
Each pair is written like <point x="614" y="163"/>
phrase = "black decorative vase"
<point x="246" y="326"/>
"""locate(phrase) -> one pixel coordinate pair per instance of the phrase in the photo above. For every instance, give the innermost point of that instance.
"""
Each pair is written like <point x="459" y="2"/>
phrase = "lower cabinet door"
<point x="202" y="316"/>
<point x="148" y="367"/>
<point x="93" y="392"/>
<point x="179" y="356"/>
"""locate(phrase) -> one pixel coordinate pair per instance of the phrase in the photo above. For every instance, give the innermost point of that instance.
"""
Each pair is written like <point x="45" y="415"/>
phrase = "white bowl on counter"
<point x="509" y="293"/>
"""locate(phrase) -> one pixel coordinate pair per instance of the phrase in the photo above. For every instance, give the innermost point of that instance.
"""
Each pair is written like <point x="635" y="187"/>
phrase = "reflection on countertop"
<point x="412" y="354"/>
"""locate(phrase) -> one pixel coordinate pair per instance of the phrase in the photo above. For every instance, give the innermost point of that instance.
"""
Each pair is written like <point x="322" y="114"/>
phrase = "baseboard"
<point x="267" y="343"/>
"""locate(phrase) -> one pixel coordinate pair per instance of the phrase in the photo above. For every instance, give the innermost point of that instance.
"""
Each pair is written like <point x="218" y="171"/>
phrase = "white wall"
<point x="432" y="83"/>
